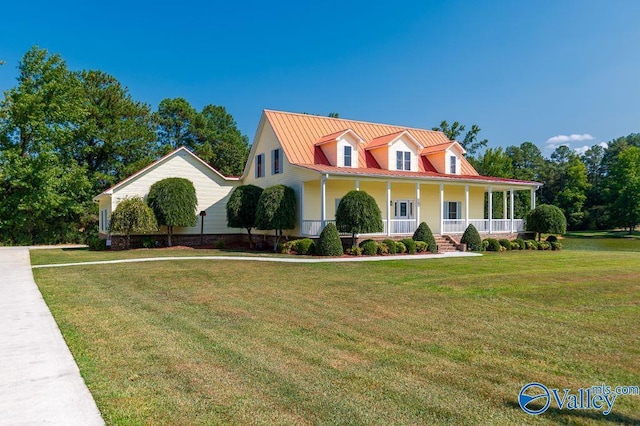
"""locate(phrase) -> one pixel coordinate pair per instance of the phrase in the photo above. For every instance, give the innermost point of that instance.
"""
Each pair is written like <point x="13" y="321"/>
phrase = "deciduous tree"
<point x="174" y="203"/>
<point x="358" y="213"/>
<point x="276" y="210"/>
<point x="132" y="216"/>
<point x="242" y="207"/>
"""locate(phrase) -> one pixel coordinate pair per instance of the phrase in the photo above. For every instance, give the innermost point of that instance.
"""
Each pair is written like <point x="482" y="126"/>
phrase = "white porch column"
<point x="417" y="203"/>
<point x="490" y="209"/>
<point x="302" y="230"/>
<point x="533" y="198"/>
<point x="441" y="208"/>
<point x="511" y="207"/>
<point x="357" y="185"/>
<point x="388" y="208"/>
<point x="323" y="200"/>
<point x="504" y="205"/>
<point x="466" y="206"/>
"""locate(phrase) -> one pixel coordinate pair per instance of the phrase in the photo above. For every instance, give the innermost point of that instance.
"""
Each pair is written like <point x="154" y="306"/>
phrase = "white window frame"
<point x="447" y="210"/>
<point x="276" y="154"/>
<point x="403" y="160"/>
<point x="453" y="165"/>
<point x="410" y="209"/>
<point x="345" y="156"/>
<point x="104" y="226"/>
<point x="260" y="165"/>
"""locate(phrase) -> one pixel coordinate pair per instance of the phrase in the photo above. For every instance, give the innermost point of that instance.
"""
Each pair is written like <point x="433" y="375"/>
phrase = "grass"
<point x="601" y="241"/>
<point x="409" y="342"/>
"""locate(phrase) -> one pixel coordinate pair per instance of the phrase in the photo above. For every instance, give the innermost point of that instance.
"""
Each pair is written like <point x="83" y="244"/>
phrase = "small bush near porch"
<point x="399" y="342"/>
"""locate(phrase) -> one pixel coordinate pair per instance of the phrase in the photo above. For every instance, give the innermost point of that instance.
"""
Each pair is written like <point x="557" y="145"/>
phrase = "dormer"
<point x="396" y="151"/>
<point x="341" y="148"/>
<point x="446" y="158"/>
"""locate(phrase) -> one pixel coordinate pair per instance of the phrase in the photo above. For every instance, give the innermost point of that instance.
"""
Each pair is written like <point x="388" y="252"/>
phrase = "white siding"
<point x="211" y="189"/>
<point x="404" y="145"/>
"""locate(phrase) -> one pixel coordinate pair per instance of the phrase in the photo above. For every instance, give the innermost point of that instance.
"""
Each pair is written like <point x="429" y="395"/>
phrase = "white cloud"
<point x="582" y="149"/>
<point x="563" y="139"/>
<point x="604" y="145"/>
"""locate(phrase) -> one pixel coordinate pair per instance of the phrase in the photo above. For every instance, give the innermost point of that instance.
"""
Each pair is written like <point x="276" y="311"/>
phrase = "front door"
<point x="403" y="211"/>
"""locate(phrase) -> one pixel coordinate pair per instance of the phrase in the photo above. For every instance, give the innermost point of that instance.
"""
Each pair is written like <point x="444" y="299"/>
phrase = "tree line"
<point x="66" y="136"/>
<point x="598" y="189"/>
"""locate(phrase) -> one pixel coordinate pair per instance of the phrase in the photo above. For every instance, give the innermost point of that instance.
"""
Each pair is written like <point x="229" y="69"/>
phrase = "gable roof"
<point x="389" y="139"/>
<point x="157" y="163"/>
<point x="441" y="148"/>
<point x="334" y="136"/>
<point x="298" y="134"/>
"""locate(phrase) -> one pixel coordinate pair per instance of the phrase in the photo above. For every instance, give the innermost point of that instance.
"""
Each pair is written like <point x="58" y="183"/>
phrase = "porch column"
<point x="357" y="185"/>
<point x="504" y="205"/>
<point x="302" y="227"/>
<point x="441" y="208"/>
<point x="417" y="203"/>
<point x="466" y="206"/>
<point x="388" y="208"/>
<point x="511" y="207"/>
<point x="323" y="202"/>
<point x="490" y="209"/>
<point x="533" y="198"/>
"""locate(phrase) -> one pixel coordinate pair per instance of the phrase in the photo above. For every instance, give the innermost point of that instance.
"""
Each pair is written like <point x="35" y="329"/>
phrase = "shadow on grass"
<point x="603" y="234"/>
<point x="75" y="249"/>
<point x="570" y="416"/>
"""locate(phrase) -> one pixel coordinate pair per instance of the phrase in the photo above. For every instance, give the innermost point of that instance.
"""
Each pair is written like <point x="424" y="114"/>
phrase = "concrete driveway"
<point x="39" y="379"/>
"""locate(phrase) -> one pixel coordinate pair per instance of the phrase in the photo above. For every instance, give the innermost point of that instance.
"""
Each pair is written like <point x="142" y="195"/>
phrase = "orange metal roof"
<point x="383" y="140"/>
<point x="298" y="133"/>
<point x="333" y="136"/>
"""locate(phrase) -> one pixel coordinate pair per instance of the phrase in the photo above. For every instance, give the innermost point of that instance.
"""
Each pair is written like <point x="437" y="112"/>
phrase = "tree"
<point x="572" y="196"/>
<point x="132" y="216"/>
<point x="548" y="219"/>
<point x="527" y="162"/>
<point x="176" y="122"/>
<point x="470" y="141"/>
<point x="276" y="210"/>
<point x="242" y="206"/>
<point x="625" y="185"/>
<point x="358" y="213"/>
<point x="423" y="233"/>
<point x="329" y="243"/>
<point x="471" y="238"/>
<point x="174" y="203"/>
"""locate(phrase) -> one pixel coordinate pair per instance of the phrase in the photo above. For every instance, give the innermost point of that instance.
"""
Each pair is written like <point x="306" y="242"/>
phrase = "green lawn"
<point x="409" y="342"/>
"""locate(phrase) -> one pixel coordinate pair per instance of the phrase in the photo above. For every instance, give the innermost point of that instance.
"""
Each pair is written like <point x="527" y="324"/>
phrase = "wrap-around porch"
<point x="448" y="208"/>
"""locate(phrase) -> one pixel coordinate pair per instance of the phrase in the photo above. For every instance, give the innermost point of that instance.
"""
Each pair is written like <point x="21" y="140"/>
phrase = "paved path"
<point x="39" y="379"/>
<point x="273" y="259"/>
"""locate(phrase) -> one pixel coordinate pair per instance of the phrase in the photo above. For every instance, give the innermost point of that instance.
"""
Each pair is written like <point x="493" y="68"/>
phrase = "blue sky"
<point x="523" y="71"/>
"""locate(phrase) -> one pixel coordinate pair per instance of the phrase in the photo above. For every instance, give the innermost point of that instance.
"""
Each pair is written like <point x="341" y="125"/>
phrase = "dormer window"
<point x="347" y="156"/>
<point x="403" y="160"/>
<point x="453" y="165"/>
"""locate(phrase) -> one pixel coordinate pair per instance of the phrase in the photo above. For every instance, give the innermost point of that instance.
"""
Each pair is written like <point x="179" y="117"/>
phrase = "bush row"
<point x="492" y="244"/>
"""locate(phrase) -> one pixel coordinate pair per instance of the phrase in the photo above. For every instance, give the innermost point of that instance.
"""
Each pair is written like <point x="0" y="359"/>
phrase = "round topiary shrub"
<point x="304" y="246"/>
<point x="400" y="247"/>
<point x="329" y="243"/>
<point x="369" y="247"/>
<point x="546" y="219"/>
<point x="505" y="243"/>
<point x="423" y="233"/>
<point x="391" y="245"/>
<point x="410" y="244"/>
<point x="493" y="244"/>
<point x="471" y="238"/>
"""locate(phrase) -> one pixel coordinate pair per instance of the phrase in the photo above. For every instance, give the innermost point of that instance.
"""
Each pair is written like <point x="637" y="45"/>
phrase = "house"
<point x="415" y="175"/>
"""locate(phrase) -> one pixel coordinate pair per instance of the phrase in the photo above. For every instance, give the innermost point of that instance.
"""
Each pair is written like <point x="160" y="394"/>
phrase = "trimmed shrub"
<point x="329" y="243"/>
<point x="219" y="244"/>
<point x="543" y="245"/>
<point x="391" y="245"/>
<point x="382" y="248"/>
<point x="556" y="246"/>
<point x="552" y="239"/>
<point x="410" y="244"/>
<point x="515" y="245"/>
<point x="304" y="246"/>
<point x="400" y="247"/>
<point x="421" y="246"/>
<point x="531" y="245"/>
<point x="423" y="233"/>
<point x="354" y="251"/>
<point x="485" y="244"/>
<point x="546" y="219"/>
<point x="132" y="216"/>
<point x="276" y="210"/>
<point x="241" y="208"/>
<point x="174" y="203"/>
<point x="493" y="244"/>
<point x="521" y="243"/>
<point x="369" y="247"/>
<point x="471" y="238"/>
<point x="505" y="243"/>
<point x="96" y="244"/>
<point x="358" y="213"/>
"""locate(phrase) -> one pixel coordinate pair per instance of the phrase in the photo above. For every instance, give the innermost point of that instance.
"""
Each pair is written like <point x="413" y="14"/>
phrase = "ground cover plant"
<point x="400" y="341"/>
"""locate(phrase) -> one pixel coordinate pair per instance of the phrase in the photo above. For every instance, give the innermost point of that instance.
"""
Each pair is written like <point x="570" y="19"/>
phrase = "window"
<point x="452" y="210"/>
<point x="276" y="161"/>
<point x="403" y="160"/>
<point x="104" y="226"/>
<point x="347" y="156"/>
<point x="260" y="166"/>
<point x="452" y="165"/>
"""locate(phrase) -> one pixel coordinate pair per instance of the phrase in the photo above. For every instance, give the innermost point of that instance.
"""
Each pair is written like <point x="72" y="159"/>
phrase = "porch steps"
<point x="445" y="244"/>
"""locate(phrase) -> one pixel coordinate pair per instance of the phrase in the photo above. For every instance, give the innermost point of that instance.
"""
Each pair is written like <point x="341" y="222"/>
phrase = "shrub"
<point x="515" y="245"/>
<point x="531" y="245"/>
<point x="543" y="245"/>
<point x="548" y="219"/>
<point x="96" y="244"/>
<point x="132" y="216"/>
<point x="369" y="247"/>
<point x="410" y="244"/>
<point x="400" y="247"/>
<point x="354" y="251"/>
<point x="150" y="242"/>
<point x="505" y="243"/>
<point x="493" y="244"/>
<point x="174" y="203"/>
<point x="552" y="239"/>
<point x="382" y="248"/>
<point x="304" y="246"/>
<point x="242" y="207"/>
<point x="219" y="244"/>
<point x="329" y="243"/>
<point x="556" y="246"/>
<point x="276" y="210"/>
<point x="391" y="245"/>
<point x="485" y="244"/>
<point x="423" y="233"/>
<point x="421" y="246"/>
<point x="358" y="213"/>
<point x="521" y="243"/>
<point x="471" y="238"/>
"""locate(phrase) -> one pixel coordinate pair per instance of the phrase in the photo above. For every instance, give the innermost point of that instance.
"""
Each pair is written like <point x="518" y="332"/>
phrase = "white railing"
<point x="482" y="225"/>
<point x="398" y="227"/>
<point x="454" y="226"/>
